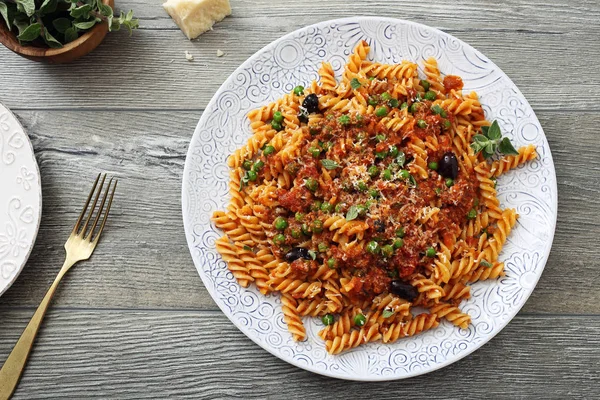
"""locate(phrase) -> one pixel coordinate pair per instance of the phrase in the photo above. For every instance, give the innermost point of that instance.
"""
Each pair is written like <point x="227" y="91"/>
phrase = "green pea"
<point x="316" y="205"/>
<point x="381" y="111"/>
<point x="387" y="174"/>
<point x="327" y="319"/>
<point x="295" y="233"/>
<point x="251" y="175"/>
<point x="394" y="151"/>
<point x="374" y="193"/>
<point x="433" y="165"/>
<point x="362" y="186"/>
<point x="437" y="109"/>
<point x="401" y="159"/>
<point x="360" y="320"/>
<point x="438" y="191"/>
<point x="447" y="124"/>
<point x="449" y="182"/>
<point x="398" y="243"/>
<point x="247" y="165"/>
<point x="362" y="209"/>
<point x="393" y="167"/>
<point x="430" y="252"/>
<point x="268" y="150"/>
<point x="373" y="171"/>
<point x="314" y="151"/>
<point x="339" y="207"/>
<point x="400" y="232"/>
<point x="331" y="263"/>
<point x="413" y="108"/>
<point x="472" y="214"/>
<point x="311" y="184"/>
<point x="476" y="202"/>
<point x="322" y="247"/>
<point x="425" y="85"/>
<point x="393" y="103"/>
<point x="380" y="154"/>
<point x="299" y="90"/>
<point x="317" y="226"/>
<point x="279" y="239"/>
<point x="385" y="96"/>
<point x="299" y="216"/>
<point x="305" y="229"/>
<point x="422" y="124"/>
<point x="380" y="138"/>
<point x="344" y="120"/>
<point x="276" y="125"/>
<point x="404" y="105"/>
<point x="326" y="145"/>
<point x="278" y="116"/>
<point x="258" y="165"/>
<point x="280" y="223"/>
<point x="430" y="95"/>
<point x="326" y="207"/>
<point x="404" y="174"/>
<point x="373" y="247"/>
<point x="387" y="250"/>
<point x="373" y="100"/>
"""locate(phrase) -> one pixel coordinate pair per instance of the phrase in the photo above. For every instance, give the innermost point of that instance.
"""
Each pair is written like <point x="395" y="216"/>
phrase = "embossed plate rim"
<point x="188" y="215"/>
<point x="38" y="188"/>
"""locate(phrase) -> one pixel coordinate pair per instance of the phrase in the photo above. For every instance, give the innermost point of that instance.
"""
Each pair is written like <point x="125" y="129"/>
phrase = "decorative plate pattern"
<point x="20" y="198"/>
<point x="294" y="59"/>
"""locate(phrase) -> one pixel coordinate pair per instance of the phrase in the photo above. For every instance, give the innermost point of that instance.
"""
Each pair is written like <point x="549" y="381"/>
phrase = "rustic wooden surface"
<point x="136" y="321"/>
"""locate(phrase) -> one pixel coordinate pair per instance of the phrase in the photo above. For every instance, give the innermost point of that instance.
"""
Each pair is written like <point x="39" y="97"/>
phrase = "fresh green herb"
<point x="491" y="141"/>
<point x="486" y="264"/>
<point x="247" y="248"/>
<point x="329" y="164"/>
<point x="355" y="83"/>
<point x="401" y="158"/>
<point x="412" y="182"/>
<point x="57" y="22"/>
<point x="387" y="313"/>
<point x="352" y="213"/>
<point x="312" y="254"/>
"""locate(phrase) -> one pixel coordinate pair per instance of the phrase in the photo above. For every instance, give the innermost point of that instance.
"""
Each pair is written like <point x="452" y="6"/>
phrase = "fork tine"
<point x="110" y="200"/>
<point x="99" y="213"/>
<point x="98" y="193"/>
<point x="85" y="207"/>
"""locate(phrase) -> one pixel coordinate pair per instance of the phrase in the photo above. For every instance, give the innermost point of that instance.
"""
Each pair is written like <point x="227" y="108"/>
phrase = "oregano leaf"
<point x="30" y="33"/>
<point x="104" y="9"/>
<point x="313" y="254"/>
<point x="48" y="7"/>
<point x="352" y="213"/>
<point x="26" y="6"/>
<point x="71" y="34"/>
<point x="484" y="130"/>
<point x="494" y="132"/>
<point x="507" y="148"/>
<point x="329" y="164"/>
<point x="62" y="24"/>
<point x="485" y="263"/>
<point x="355" y="83"/>
<point x="85" y="25"/>
<point x="81" y="12"/>
<point x="4" y="13"/>
<point x="51" y="40"/>
<point x="387" y="313"/>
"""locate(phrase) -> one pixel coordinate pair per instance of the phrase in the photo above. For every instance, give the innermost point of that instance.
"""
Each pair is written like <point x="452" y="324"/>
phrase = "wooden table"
<point x="136" y="321"/>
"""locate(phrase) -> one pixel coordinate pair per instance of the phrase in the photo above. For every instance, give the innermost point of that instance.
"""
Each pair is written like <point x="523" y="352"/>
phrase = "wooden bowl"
<point x="69" y="52"/>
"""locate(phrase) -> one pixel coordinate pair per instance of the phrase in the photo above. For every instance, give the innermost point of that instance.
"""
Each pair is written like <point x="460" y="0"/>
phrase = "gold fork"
<point x="79" y="247"/>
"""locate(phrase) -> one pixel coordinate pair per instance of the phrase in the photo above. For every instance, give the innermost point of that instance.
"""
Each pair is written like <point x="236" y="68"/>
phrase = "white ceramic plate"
<point x="294" y="59"/>
<point x="20" y="198"/>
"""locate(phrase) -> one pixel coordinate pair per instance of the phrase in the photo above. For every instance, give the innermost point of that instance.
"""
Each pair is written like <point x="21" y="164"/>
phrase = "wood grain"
<point x="143" y="260"/>
<point x="149" y="69"/>
<point x="201" y="355"/>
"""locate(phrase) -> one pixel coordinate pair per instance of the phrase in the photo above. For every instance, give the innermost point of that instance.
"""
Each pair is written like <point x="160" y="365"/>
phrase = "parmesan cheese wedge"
<point x="194" y="17"/>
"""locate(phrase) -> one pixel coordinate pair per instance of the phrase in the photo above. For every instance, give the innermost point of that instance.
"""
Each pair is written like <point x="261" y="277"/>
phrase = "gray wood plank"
<point x="134" y="355"/>
<point x="541" y="53"/>
<point x="143" y="261"/>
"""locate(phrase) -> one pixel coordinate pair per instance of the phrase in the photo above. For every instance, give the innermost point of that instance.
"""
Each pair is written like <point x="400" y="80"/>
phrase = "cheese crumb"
<point x="220" y="53"/>
<point x="194" y="17"/>
<point x="189" y="56"/>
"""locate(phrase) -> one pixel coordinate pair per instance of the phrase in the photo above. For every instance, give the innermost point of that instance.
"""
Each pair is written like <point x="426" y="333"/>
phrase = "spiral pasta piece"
<point x="526" y="153"/>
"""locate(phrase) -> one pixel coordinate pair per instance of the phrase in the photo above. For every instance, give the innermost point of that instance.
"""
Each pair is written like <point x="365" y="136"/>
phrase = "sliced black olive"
<point x="379" y="225"/>
<point x="404" y="290"/>
<point x="296" y="253"/>
<point x="448" y="166"/>
<point x="303" y="115"/>
<point x="311" y="103"/>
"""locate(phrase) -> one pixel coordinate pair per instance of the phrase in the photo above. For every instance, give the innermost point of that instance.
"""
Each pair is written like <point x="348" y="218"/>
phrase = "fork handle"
<point x="16" y="361"/>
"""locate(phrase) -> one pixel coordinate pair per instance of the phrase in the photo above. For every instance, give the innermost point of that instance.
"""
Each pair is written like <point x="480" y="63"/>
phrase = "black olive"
<point x="404" y="290"/>
<point x="296" y="253"/>
<point x="311" y="103"/>
<point x="448" y="166"/>
<point x="379" y="225"/>
<point x="303" y="115"/>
